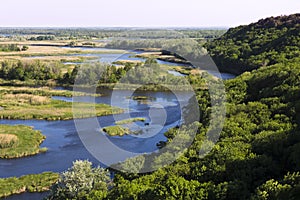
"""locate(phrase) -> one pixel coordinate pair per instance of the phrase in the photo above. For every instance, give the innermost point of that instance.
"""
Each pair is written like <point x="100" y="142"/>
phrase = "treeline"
<point x="12" y="47"/>
<point x="269" y="41"/>
<point x="24" y="71"/>
<point x="89" y="33"/>
<point x="139" y="73"/>
<point x="42" y="37"/>
<point x="86" y="74"/>
<point x="94" y="73"/>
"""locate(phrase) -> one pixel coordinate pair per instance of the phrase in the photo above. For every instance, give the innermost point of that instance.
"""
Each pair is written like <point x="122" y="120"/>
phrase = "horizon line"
<point x="118" y="27"/>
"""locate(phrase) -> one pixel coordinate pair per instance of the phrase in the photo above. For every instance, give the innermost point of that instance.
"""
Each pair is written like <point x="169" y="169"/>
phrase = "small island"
<point x="116" y="130"/>
<point x="131" y="120"/>
<point x="20" y="141"/>
<point x="119" y="130"/>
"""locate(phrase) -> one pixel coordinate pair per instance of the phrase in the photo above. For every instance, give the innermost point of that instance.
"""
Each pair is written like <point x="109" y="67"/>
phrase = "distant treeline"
<point x="42" y="37"/>
<point x="87" y="33"/>
<point x="12" y="47"/>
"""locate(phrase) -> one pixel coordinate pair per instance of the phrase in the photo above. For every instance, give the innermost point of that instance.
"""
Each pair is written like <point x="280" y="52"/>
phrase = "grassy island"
<point x="116" y="130"/>
<point x="20" y="141"/>
<point x="28" y="183"/>
<point x="119" y="130"/>
<point x="131" y="120"/>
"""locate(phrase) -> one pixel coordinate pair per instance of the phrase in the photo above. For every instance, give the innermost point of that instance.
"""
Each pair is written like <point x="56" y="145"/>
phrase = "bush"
<point x="80" y="180"/>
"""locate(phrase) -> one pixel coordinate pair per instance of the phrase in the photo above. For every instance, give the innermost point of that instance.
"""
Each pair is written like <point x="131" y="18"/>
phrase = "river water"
<point x="64" y="143"/>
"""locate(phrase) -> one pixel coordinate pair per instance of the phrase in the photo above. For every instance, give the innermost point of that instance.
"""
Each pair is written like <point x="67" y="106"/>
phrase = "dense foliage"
<point x="36" y="70"/>
<point x="269" y="41"/>
<point x="147" y="73"/>
<point x="12" y="47"/>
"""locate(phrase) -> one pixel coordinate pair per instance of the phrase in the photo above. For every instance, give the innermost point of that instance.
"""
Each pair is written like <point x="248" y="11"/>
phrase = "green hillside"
<point x="264" y="43"/>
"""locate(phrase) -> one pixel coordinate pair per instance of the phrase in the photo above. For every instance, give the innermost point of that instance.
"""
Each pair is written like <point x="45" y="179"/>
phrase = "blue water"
<point x="65" y="145"/>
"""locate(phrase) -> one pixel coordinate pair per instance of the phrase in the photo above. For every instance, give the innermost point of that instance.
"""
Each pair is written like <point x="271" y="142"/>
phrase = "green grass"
<point x="120" y="130"/>
<point x="42" y="91"/>
<point x="55" y="110"/>
<point x="28" y="183"/>
<point x="20" y="141"/>
<point x="116" y="130"/>
<point x="183" y="70"/>
<point x="36" y="103"/>
<point x="131" y="120"/>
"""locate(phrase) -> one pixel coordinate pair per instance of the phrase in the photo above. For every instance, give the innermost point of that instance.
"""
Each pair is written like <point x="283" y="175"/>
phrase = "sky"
<point x="140" y="13"/>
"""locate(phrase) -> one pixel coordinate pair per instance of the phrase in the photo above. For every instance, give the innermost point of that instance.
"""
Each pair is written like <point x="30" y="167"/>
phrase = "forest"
<point x="264" y="43"/>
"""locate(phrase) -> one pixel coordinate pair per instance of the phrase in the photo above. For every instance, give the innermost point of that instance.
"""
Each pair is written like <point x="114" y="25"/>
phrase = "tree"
<point x="79" y="180"/>
<point x="25" y="48"/>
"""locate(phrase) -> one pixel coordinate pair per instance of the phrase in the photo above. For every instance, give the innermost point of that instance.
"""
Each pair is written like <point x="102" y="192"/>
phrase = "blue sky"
<point x="141" y="13"/>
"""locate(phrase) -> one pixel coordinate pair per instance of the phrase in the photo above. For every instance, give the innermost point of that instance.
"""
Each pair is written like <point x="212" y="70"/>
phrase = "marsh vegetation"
<point x="19" y="141"/>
